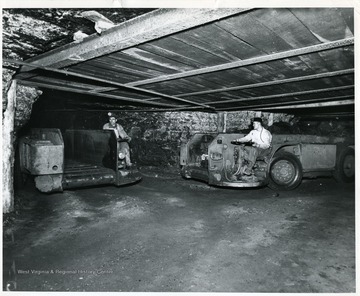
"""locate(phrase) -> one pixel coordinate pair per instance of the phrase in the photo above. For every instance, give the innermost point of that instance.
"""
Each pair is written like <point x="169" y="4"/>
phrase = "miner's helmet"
<point x="111" y="115"/>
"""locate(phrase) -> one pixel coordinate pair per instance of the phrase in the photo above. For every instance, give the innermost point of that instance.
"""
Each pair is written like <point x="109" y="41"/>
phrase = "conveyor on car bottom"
<point x="78" y="174"/>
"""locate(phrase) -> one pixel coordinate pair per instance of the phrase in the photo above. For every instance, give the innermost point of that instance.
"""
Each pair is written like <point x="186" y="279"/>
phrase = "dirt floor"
<point x="166" y="233"/>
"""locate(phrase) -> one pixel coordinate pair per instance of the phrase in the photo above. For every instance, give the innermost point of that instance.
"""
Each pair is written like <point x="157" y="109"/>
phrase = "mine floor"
<point x="166" y="233"/>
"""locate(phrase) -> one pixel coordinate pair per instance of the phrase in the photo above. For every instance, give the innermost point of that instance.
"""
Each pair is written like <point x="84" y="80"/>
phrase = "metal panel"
<point x="252" y="61"/>
<point x="231" y="59"/>
<point x="42" y="152"/>
<point x="318" y="157"/>
<point x="43" y="158"/>
<point x="142" y="29"/>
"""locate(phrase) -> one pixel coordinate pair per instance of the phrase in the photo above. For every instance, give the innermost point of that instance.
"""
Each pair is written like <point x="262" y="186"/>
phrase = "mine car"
<point x="76" y="158"/>
<point x="214" y="159"/>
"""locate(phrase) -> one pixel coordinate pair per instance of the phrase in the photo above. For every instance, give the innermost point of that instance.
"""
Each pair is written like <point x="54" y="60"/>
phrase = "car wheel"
<point x="345" y="171"/>
<point x="285" y="172"/>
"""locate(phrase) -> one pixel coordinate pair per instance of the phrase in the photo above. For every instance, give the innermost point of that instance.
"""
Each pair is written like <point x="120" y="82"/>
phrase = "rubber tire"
<point x="340" y="175"/>
<point x="298" y="174"/>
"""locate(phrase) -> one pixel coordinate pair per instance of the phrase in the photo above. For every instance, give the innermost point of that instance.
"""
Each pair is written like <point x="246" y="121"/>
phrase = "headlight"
<point x="217" y="177"/>
<point x="216" y="156"/>
<point x="121" y="155"/>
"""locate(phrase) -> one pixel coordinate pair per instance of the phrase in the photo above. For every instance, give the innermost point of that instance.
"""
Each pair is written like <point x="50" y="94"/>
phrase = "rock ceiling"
<point x="29" y="32"/>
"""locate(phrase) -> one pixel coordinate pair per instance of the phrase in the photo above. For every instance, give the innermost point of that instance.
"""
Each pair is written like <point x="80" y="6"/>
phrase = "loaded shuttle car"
<point x="214" y="159"/>
<point x="77" y="158"/>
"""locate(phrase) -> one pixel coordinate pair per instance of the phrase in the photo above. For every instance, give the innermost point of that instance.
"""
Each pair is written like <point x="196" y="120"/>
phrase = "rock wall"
<point x="157" y="136"/>
<point x="26" y="97"/>
<point x="237" y="122"/>
<point x="17" y="105"/>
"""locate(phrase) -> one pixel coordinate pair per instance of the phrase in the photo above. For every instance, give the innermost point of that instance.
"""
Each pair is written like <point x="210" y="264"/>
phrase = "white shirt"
<point x="262" y="138"/>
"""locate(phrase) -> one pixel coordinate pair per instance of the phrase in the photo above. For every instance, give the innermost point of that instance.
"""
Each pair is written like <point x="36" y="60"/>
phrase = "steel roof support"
<point x="271" y="83"/>
<point x="286" y="104"/>
<point x="73" y="74"/>
<point x="251" y="61"/>
<point x="314" y="105"/>
<point x="89" y="92"/>
<point x="147" y="27"/>
<point x="299" y="93"/>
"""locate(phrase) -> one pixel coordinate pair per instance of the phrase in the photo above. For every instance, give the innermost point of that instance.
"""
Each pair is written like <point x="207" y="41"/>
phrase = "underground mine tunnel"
<point x="170" y="200"/>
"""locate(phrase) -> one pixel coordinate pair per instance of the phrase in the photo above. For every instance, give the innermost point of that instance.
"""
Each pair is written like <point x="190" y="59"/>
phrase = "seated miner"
<point x="260" y="140"/>
<point x="204" y="146"/>
<point x="121" y="136"/>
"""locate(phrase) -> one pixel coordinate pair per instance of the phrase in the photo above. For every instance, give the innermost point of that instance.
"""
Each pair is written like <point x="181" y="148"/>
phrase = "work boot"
<point x="247" y="171"/>
<point x="248" y="168"/>
<point x="234" y="178"/>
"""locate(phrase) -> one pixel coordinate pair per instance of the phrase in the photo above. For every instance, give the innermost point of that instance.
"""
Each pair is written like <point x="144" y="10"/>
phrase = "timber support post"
<point x="8" y="150"/>
<point x="222" y="122"/>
